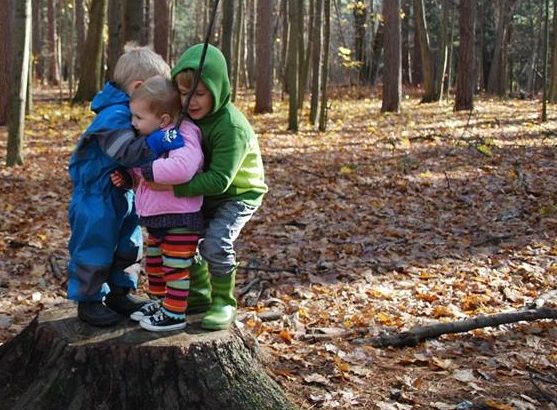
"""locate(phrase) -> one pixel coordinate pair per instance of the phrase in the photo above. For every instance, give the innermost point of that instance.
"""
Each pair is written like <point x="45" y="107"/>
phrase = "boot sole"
<point x="213" y="326"/>
<point x="170" y="328"/>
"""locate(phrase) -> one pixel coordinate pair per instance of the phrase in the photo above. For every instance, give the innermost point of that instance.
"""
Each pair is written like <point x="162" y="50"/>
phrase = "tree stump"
<point x="59" y="362"/>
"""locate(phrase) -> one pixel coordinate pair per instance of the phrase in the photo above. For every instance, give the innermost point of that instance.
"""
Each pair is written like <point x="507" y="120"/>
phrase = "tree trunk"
<point x="161" y="38"/>
<point x="465" y="77"/>
<point x="497" y="81"/>
<point x="134" y="22"/>
<point x="376" y="51"/>
<point x="92" y="54"/>
<point x="58" y="362"/>
<point x="450" y="62"/>
<point x="53" y="67"/>
<point x="302" y="69"/>
<point x="237" y="49"/>
<point x="316" y="62"/>
<point x="323" y="115"/>
<point x="147" y="27"/>
<point x="553" y="90"/>
<point x="309" y="50"/>
<point x="21" y="35"/>
<point x="81" y="31"/>
<point x="227" y="32"/>
<point x="6" y="21"/>
<point x="37" y="41"/>
<point x="115" y="45"/>
<point x="428" y="69"/>
<point x="292" y="66"/>
<point x="284" y="43"/>
<point x="359" y="12"/>
<point x="250" y="41"/>
<point x="405" y="44"/>
<point x="440" y="77"/>
<point x="545" y="51"/>
<point x="264" y="34"/>
<point x="392" y="74"/>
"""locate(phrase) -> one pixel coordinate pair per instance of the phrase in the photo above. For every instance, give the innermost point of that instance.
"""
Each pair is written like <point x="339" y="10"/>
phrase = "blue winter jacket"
<point x="106" y="240"/>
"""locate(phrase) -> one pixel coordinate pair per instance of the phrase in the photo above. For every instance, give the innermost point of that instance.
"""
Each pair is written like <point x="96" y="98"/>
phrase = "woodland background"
<point x="410" y="153"/>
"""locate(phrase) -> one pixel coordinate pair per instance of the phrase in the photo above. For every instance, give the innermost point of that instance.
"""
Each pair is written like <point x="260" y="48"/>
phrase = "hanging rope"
<point x="197" y="72"/>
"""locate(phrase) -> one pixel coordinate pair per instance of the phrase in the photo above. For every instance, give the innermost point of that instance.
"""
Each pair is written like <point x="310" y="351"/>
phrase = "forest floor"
<point x="380" y="224"/>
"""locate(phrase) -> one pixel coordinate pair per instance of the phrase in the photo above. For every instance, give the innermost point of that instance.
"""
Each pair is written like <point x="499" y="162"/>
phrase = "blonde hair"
<point x="161" y="96"/>
<point x="138" y="64"/>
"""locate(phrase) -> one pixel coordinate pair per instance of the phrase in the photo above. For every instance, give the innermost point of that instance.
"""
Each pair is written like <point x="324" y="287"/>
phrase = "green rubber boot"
<point x="223" y="308"/>
<point x="199" y="298"/>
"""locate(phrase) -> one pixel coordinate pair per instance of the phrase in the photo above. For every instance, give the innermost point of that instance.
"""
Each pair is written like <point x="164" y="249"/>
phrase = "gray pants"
<point x="221" y="230"/>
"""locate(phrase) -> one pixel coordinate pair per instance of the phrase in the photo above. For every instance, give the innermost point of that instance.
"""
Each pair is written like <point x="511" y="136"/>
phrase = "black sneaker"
<point x="125" y="304"/>
<point x="146" y="310"/>
<point x="97" y="314"/>
<point x="160" y="322"/>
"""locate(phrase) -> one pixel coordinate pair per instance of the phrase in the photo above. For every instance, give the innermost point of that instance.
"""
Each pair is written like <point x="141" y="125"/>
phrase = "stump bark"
<point x="59" y="362"/>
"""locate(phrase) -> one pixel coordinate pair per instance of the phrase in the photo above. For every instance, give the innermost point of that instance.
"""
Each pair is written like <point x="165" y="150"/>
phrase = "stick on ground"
<point x="419" y="334"/>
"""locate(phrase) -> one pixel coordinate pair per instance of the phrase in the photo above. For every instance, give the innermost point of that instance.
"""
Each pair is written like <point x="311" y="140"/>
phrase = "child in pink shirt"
<point x="173" y="224"/>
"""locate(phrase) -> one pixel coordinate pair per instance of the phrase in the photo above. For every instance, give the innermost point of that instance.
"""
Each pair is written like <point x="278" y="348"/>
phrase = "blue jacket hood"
<point x="112" y="107"/>
<point x="109" y="95"/>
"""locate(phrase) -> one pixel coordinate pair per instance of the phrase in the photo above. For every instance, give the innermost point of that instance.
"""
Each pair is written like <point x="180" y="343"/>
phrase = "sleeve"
<point x="228" y="153"/>
<point x="182" y="164"/>
<point x="124" y="147"/>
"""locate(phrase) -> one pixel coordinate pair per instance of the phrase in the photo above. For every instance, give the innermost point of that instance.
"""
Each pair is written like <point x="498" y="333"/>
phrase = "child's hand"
<point x="118" y="179"/>
<point x="162" y="141"/>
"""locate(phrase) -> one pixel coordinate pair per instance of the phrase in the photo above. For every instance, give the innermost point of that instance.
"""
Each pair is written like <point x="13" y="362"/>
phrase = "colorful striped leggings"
<point x="168" y="260"/>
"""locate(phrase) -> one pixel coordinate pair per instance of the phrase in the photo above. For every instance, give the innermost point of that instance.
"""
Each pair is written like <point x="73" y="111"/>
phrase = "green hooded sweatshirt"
<point x="233" y="164"/>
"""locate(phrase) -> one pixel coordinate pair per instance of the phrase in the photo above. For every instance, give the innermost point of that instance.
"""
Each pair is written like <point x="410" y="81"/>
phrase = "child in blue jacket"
<point x="106" y="241"/>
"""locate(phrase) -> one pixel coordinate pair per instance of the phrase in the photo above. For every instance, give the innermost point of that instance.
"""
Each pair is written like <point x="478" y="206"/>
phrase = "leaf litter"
<point x="380" y="224"/>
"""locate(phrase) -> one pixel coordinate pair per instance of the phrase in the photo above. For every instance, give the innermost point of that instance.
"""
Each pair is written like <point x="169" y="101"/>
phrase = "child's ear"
<point x="134" y="85"/>
<point x="166" y="119"/>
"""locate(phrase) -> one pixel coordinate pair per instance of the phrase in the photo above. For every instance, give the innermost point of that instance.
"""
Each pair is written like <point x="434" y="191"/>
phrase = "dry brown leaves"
<point x="382" y="223"/>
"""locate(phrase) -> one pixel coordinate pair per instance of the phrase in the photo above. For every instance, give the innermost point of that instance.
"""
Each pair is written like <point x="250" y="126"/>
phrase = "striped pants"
<point x="168" y="261"/>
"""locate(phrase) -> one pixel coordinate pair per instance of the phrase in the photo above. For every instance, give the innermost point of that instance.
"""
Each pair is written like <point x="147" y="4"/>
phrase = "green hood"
<point x="214" y="73"/>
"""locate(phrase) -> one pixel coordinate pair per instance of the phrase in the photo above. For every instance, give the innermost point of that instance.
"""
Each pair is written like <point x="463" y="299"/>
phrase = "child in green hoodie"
<point x="232" y="182"/>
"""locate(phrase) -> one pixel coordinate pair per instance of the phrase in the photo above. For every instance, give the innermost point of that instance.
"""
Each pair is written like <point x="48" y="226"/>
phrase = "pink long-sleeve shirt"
<point x="180" y="166"/>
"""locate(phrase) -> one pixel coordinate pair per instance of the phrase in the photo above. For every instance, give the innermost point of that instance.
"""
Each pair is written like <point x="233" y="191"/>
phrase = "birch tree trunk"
<point x="21" y="35"/>
<point x="553" y="90"/>
<point x="238" y="52"/>
<point x="316" y="56"/>
<point x="323" y="115"/>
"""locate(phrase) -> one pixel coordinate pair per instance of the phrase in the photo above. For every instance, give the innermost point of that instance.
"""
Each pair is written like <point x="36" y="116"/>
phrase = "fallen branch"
<point x="316" y="336"/>
<point x="419" y="334"/>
